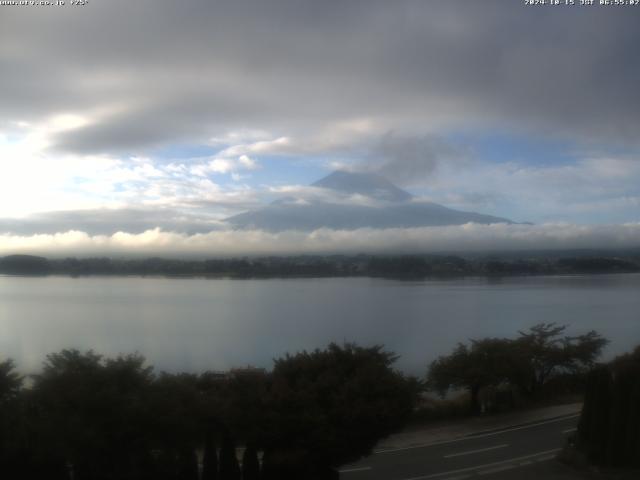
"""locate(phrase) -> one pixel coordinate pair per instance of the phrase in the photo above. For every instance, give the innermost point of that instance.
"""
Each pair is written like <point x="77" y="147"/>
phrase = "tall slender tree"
<point x="250" y="463"/>
<point x="210" y="458"/>
<point x="229" y="467"/>
<point x="187" y="464"/>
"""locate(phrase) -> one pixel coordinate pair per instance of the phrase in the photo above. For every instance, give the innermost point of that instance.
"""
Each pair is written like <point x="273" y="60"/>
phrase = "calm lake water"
<point x="198" y="324"/>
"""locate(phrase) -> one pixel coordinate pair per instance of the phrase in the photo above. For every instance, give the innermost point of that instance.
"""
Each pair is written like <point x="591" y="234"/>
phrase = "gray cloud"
<point x="412" y="160"/>
<point x="153" y="72"/>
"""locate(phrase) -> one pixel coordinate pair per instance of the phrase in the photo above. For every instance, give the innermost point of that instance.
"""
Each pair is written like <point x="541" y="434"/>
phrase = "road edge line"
<point x="486" y="465"/>
<point x="478" y="435"/>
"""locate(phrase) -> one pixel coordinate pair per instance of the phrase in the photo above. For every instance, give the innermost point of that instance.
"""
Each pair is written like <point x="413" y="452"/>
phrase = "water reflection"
<point x="197" y="324"/>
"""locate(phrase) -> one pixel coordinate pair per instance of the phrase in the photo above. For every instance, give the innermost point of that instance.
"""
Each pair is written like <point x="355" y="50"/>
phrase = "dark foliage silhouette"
<point x="609" y="428"/>
<point x="526" y="363"/>
<point x="87" y="417"/>
<point x="250" y="463"/>
<point x="483" y="363"/>
<point x="333" y="405"/>
<point x="229" y="467"/>
<point x="393" y="266"/>
<point x="209" y="458"/>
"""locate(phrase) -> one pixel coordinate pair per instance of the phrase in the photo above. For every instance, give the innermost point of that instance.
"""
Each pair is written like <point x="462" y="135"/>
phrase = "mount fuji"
<point x="347" y="201"/>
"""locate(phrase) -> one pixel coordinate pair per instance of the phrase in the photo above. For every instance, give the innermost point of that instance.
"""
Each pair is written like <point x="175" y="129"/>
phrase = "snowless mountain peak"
<point x="394" y="208"/>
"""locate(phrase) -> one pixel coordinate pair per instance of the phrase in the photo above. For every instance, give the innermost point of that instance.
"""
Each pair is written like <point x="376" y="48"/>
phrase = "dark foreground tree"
<point x="595" y="418"/>
<point x="93" y="412"/>
<point x="527" y="363"/>
<point x="10" y="380"/>
<point x="187" y="464"/>
<point x="172" y="407"/>
<point x="229" y="467"/>
<point x="94" y="418"/>
<point x="484" y="362"/>
<point x="609" y="428"/>
<point x="329" y="407"/>
<point x="250" y="464"/>
<point x="544" y="351"/>
<point x="210" y="458"/>
<point x="13" y="435"/>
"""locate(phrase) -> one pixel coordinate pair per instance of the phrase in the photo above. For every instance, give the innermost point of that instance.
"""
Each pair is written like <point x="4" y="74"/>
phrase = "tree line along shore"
<point x="390" y="266"/>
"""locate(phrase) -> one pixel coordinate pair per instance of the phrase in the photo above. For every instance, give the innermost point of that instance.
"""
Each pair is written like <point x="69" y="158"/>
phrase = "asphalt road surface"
<point x="487" y="455"/>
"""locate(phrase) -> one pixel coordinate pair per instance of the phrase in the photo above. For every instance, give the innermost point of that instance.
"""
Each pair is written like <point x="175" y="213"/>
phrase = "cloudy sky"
<point x="143" y="124"/>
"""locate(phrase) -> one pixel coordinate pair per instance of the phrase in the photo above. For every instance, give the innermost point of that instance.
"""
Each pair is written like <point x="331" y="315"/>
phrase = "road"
<point x="485" y="454"/>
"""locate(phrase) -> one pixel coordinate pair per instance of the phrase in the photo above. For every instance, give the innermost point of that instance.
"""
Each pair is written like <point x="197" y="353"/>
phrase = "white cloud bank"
<point x="468" y="237"/>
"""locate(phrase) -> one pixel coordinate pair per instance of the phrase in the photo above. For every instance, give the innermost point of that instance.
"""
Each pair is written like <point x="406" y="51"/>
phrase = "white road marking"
<point x="460" y="454"/>
<point x="355" y="469"/>
<point x="569" y="430"/>
<point x="473" y="437"/>
<point x="512" y="461"/>
<point x="546" y="458"/>
<point x="489" y="471"/>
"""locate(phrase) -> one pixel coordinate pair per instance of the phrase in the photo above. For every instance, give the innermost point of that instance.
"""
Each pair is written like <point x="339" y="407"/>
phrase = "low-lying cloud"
<point x="469" y="237"/>
<point x="411" y="160"/>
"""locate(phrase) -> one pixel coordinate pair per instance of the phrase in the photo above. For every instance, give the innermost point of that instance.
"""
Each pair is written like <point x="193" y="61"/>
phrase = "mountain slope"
<point x="390" y="207"/>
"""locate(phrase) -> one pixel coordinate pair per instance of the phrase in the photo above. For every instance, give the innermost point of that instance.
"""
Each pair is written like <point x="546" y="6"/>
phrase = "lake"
<point x="197" y="324"/>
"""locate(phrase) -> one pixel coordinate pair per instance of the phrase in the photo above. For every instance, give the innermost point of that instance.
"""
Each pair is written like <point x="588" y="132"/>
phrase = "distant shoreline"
<point x="451" y="278"/>
<point x="398" y="267"/>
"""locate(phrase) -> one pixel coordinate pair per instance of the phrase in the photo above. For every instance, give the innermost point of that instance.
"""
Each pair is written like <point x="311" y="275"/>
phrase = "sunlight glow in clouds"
<point x="36" y="180"/>
<point x="469" y="237"/>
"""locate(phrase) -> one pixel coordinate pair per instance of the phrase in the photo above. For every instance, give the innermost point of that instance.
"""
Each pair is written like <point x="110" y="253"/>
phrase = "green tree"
<point x="483" y="363"/>
<point x="10" y="380"/>
<point x="250" y="463"/>
<point x="595" y="418"/>
<point x="329" y="407"/>
<point x="609" y="427"/>
<point x="174" y="410"/>
<point x="187" y="464"/>
<point x="94" y="411"/>
<point x="238" y="404"/>
<point x="544" y="351"/>
<point x="229" y="467"/>
<point x="528" y="362"/>
<point x="210" y="458"/>
<point x="12" y="423"/>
